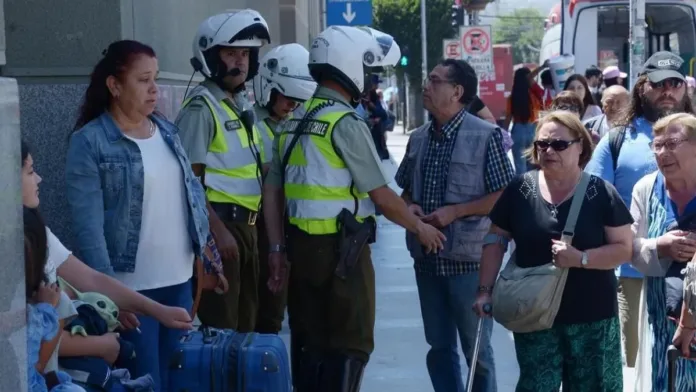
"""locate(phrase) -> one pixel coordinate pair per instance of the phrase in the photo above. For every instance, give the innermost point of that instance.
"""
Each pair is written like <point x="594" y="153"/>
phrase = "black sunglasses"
<point x="556" y="144"/>
<point x="671" y="83"/>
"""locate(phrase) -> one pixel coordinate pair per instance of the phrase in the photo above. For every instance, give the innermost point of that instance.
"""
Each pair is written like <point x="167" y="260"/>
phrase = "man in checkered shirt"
<point x="454" y="171"/>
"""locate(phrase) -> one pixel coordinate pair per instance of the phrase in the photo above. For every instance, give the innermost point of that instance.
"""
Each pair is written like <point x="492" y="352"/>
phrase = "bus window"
<point x="670" y="27"/>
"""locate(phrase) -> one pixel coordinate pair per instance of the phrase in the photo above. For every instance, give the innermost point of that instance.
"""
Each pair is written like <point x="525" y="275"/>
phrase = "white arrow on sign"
<point x="349" y="15"/>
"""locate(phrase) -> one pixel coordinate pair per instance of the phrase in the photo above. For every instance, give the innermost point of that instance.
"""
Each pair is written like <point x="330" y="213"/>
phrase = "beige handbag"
<point x="528" y="299"/>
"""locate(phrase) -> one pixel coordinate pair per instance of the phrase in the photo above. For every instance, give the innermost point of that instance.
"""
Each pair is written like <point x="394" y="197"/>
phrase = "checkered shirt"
<point x="436" y="163"/>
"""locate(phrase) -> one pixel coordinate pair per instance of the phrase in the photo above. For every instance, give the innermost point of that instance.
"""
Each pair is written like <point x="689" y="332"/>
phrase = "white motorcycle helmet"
<point x="239" y="28"/>
<point x="348" y="55"/>
<point x="284" y="69"/>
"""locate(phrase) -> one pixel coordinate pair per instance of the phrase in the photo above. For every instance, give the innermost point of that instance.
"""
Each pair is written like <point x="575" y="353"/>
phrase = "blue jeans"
<point x="156" y="343"/>
<point x="446" y="308"/>
<point x="522" y="138"/>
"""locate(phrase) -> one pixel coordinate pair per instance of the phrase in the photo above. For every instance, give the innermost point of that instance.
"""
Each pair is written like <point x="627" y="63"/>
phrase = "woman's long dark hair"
<point x="35" y="250"/>
<point x="25" y="152"/>
<point x="588" y="99"/>
<point x="520" y="101"/>
<point x="117" y="58"/>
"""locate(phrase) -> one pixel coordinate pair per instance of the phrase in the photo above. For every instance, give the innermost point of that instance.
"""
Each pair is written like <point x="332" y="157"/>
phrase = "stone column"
<point x="13" y="359"/>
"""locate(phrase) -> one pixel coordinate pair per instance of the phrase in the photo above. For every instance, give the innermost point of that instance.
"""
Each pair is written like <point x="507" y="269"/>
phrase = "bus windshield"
<point x="670" y="27"/>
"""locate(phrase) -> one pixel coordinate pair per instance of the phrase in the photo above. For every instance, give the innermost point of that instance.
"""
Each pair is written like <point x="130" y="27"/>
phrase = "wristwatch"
<point x="584" y="260"/>
<point x="485" y="289"/>
<point x="279" y="248"/>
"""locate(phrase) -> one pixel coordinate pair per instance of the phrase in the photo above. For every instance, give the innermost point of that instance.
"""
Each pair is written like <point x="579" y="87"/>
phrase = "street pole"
<point x="424" y="46"/>
<point x="474" y="21"/>
<point x="407" y="119"/>
<point x="636" y="39"/>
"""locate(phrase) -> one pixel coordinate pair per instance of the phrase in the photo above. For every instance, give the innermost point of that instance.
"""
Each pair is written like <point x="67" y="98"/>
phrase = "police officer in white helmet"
<point x="216" y="129"/>
<point x="326" y="178"/>
<point x="282" y="84"/>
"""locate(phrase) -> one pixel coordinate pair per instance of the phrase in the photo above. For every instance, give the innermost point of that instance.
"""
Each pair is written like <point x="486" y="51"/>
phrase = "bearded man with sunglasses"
<point x="454" y="170"/>
<point x="624" y="156"/>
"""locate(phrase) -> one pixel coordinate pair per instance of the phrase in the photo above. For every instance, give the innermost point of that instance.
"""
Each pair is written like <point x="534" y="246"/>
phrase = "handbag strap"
<point x="576" y="204"/>
<point x="198" y="266"/>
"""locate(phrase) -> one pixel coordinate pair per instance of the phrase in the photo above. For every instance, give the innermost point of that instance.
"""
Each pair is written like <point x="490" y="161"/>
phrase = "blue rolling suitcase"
<point x="213" y="360"/>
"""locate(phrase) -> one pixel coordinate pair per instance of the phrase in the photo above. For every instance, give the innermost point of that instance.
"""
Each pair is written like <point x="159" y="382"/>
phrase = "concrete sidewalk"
<point x="398" y="362"/>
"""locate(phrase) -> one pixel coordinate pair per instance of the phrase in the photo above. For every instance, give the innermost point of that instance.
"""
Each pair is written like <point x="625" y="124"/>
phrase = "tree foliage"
<point x="524" y="30"/>
<point x="401" y="19"/>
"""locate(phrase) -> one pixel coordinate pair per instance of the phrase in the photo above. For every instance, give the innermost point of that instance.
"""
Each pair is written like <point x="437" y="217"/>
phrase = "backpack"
<point x="616" y="138"/>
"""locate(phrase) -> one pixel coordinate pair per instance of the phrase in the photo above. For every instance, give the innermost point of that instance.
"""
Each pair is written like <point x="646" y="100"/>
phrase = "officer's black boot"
<point x="310" y="367"/>
<point x="295" y="359"/>
<point x="342" y="373"/>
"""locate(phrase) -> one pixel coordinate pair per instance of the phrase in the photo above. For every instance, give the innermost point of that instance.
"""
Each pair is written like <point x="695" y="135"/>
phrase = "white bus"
<point x="596" y="32"/>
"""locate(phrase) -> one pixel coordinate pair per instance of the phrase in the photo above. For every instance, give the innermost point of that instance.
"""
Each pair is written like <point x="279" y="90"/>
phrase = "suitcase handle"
<point x="209" y="334"/>
<point x="674" y="353"/>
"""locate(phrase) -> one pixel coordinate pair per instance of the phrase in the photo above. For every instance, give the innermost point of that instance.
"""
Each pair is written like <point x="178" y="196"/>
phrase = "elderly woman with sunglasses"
<point x="664" y="209"/>
<point x="583" y="347"/>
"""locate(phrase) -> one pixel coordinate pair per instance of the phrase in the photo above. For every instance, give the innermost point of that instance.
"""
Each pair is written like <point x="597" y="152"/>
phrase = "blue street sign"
<point x="348" y="13"/>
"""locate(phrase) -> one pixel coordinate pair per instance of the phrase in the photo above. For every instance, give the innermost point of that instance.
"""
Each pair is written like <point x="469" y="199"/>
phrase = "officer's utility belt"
<point x="353" y="236"/>
<point x="229" y="212"/>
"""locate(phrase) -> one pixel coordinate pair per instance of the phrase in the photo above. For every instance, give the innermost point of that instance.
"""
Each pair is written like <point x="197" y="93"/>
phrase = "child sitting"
<point x="42" y="299"/>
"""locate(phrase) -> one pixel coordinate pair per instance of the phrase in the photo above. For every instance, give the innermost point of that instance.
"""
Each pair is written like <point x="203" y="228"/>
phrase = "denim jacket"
<point x="105" y="186"/>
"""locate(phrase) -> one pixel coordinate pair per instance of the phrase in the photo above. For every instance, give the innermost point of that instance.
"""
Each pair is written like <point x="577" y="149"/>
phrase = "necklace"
<point x="553" y="207"/>
<point x="554" y="211"/>
<point x="152" y="127"/>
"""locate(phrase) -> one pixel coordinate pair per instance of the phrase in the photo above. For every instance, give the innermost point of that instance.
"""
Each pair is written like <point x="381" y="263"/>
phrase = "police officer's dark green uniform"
<point x="282" y="84"/>
<point x="271" y="309"/>
<point x="224" y="147"/>
<point x="324" y="166"/>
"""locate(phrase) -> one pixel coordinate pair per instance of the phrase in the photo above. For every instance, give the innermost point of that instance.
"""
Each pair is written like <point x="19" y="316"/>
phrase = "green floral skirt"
<point x="584" y="357"/>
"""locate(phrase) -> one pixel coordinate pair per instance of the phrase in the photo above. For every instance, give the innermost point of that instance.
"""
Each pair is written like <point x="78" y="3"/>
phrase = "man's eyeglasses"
<point x="670" y="83"/>
<point x="669" y="144"/>
<point x="430" y="81"/>
<point x="555" y="144"/>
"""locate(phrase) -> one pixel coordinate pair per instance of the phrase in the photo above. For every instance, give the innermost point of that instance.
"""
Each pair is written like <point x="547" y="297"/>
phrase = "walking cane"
<point x="477" y="345"/>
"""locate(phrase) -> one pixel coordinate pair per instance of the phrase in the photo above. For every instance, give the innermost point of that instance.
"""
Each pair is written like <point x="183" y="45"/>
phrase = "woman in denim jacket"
<point x="138" y="211"/>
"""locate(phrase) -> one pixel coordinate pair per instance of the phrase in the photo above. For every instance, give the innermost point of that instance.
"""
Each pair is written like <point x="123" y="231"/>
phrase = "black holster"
<point x="353" y="237"/>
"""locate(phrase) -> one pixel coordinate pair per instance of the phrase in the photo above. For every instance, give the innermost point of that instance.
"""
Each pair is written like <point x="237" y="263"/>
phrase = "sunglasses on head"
<point x="570" y="108"/>
<point x="555" y="144"/>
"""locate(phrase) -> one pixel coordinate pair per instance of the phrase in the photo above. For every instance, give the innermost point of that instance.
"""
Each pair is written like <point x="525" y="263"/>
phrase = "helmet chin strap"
<point x="219" y="79"/>
<point x="271" y="105"/>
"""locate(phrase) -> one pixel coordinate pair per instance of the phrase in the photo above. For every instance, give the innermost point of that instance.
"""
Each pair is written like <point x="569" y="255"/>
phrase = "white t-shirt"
<point x="57" y="255"/>
<point x="591" y="111"/>
<point x="165" y="251"/>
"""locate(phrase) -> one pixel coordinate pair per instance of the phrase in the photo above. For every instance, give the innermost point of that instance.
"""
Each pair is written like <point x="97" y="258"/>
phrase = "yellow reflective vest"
<point x="318" y="185"/>
<point x="232" y="174"/>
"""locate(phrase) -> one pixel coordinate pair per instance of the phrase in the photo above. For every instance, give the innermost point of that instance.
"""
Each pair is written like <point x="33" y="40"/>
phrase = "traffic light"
<point x="457" y="16"/>
<point x="404" y="56"/>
